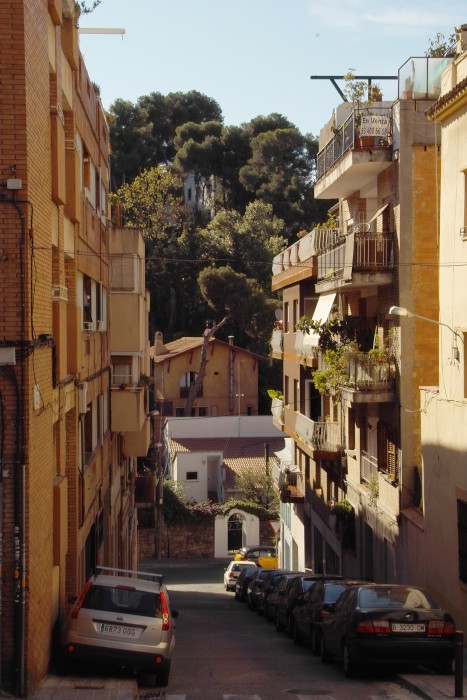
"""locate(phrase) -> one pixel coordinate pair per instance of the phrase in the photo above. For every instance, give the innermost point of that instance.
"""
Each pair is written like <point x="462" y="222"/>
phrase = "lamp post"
<point x="402" y="311"/>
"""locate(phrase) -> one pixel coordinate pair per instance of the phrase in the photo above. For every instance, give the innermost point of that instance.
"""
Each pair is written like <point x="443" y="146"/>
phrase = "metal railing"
<point x="366" y="373"/>
<point x="344" y="140"/>
<point x="370" y="252"/>
<point x="321" y="435"/>
<point x="369" y="466"/>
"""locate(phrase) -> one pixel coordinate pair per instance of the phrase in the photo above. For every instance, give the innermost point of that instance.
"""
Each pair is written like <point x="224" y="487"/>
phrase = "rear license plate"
<point x="119" y="630"/>
<point x="408" y="627"/>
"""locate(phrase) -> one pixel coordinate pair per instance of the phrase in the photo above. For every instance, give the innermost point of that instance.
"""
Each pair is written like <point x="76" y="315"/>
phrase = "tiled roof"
<point x="240" y="455"/>
<point x="178" y="347"/>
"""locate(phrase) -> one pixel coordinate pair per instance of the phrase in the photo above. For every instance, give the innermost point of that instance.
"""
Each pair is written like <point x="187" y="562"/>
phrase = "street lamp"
<point x="401" y="311"/>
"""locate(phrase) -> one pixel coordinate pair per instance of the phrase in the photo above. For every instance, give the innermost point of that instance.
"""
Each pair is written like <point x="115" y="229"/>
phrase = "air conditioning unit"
<point x="59" y="293"/>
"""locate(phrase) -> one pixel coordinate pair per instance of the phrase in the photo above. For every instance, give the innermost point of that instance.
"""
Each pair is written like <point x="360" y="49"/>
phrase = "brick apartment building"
<point x="357" y="446"/>
<point x="66" y="496"/>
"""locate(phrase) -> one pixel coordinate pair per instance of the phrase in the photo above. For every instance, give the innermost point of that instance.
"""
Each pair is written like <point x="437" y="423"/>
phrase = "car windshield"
<point x="123" y="600"/>
<point x="395" y="597"/>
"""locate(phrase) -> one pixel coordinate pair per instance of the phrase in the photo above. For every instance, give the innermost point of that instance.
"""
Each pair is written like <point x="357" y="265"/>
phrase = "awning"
<point x="378" y="213"/>
<point x="321" y="314"/>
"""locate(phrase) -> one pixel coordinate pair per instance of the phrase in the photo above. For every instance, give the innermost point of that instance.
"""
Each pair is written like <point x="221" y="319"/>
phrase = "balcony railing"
<point x="368" y="374"/>
<point x="320" y="435"/>
<point x="277" y="410"/>
<point x="369" y="467"/>
<point x="346" y="138"/>
<point x="359" y="252"/>
<point x="292" y="488"/>
<point x="277" y="340"/>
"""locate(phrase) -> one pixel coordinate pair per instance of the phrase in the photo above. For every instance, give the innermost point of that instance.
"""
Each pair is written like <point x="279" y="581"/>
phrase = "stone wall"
<point x="186" y="540"/>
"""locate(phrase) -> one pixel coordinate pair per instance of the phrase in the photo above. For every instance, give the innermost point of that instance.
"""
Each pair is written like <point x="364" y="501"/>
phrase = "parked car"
<point x="243" y="581"/>
<point x="390" y="624"/>
<point x="292" y="596"/>
<point x="279" y="588"/>
<point x="313" y="607"/>
<point x="268" y="585"/>
<point x="254" y="585"/>
<point x="232" y="573"/>
<point x="263" y="555"/>
<point x="122" y="618"/>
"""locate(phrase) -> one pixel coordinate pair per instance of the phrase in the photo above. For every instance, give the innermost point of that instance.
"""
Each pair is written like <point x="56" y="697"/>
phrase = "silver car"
<point x="123" y="618"/>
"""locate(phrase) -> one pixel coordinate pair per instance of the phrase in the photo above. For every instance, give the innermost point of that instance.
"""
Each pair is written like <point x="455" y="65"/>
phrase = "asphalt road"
<point x="225" y="651"/>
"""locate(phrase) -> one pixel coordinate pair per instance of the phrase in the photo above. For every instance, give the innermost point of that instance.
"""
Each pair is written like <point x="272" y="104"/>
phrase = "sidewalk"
<point x="79" y="688"/>
<point x="433" y="686"/>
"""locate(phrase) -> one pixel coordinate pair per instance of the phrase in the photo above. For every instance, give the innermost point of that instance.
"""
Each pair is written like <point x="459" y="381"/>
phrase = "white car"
<point x="232" y="573"/>
<point x="122" y="617"/>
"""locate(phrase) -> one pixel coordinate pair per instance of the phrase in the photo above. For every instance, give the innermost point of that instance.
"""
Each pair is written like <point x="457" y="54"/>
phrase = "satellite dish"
<point x="278" y="314"/>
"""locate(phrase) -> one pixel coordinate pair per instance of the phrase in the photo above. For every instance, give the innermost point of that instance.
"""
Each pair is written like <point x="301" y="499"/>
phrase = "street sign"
<point x="275" y="525"/>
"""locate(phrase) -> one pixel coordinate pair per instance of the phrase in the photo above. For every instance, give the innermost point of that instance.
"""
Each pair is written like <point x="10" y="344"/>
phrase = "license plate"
<point x="408" y="627"/>
<point x="119" y="630"/>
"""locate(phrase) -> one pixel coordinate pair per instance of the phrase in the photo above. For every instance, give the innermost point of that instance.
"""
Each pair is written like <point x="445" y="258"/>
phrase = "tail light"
<point x="230" y="574"/>
<point x="323" y="613"/>
<point x="377" y="627"/>
<point x="441" y="628"/>
<point x="164" y="612"/>
<point x="79" y="602"/>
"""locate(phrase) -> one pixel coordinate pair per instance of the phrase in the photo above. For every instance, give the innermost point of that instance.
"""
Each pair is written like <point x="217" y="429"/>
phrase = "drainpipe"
<point x="231" y="373"/>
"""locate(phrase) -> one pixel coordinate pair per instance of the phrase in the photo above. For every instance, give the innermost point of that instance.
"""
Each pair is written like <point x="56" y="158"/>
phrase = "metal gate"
<point x="235" y="532"/>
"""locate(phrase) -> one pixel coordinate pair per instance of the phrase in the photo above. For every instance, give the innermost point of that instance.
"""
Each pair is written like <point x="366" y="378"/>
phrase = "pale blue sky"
<point x="256" y="56"/>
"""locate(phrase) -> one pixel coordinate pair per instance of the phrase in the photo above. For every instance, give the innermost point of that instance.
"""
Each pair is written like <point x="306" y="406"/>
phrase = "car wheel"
<point x="350" y="667"/>
<point x="316" y="642"/>
<point x="325" y="655"/>
<point x="278" y="622"/>
<point x="297" y="637"/>
<point x="162" y="676"/>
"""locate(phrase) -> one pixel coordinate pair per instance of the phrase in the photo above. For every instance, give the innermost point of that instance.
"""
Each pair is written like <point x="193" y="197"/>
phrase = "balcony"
<point x="369" y="380"/>
<point x="295" y="263"/>
<point x="127" y="405"/>
<point x="419" y="78"/>
<point x="322" y="437"/>
<point x="292" y="488"/>
<point x="277" y="410"/>
<point x="136" y="443"/>
<point x="352" y="159"/>
<point x="357" y="259"/>
<point x="277" y="344"/>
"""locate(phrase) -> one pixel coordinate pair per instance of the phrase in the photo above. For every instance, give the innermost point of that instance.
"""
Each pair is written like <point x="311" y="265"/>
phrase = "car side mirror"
<point x="174" y="613"/>
<point x="72" y="599"/>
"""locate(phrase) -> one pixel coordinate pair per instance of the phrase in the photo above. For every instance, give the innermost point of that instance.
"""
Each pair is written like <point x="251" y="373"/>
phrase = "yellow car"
<point x="264" y="556"/>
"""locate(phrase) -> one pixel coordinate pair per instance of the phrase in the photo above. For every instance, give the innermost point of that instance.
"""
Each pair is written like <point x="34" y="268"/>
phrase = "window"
<point x="121" y="370"/>
<point x="185" y="382"/>
<point x="87" y="300"/>
<point x="296" y="395"/>
<point x="286" y="317"/>
<point x="387" y="449"/>
<point x="99" y="315"/>
<point x="462" y="538"/>
<point x="295" y="317"/>
<point x="192" y="476"/>
<point x="351" y="429"/>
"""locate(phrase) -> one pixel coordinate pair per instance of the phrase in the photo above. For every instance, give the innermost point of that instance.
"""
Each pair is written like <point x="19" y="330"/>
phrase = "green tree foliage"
<point x="280" y="173"/>
<point x="86" y="7"/>
<point x="153" y="203"/>
<point x="167" y="113"/>
<point x="257" y="487"/>
<point x="248" y="242"/>
<point x="440" y="46"/>
<point x="129" y="136"/>
<point x="241" y="298"/>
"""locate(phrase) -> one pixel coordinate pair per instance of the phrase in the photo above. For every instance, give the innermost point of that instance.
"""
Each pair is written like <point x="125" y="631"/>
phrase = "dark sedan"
<point x="278" y="590"/>
<point x="267" y="588"/>
<point x="242" y="583"/>
<point x="389" y="624"/>
<point x="292" y="596"/>
<point x="255" y="584"/>
<point x="313" y="607"/>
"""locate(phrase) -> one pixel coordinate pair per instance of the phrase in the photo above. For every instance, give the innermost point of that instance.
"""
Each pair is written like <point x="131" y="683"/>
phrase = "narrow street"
<point x="224" y="650"/>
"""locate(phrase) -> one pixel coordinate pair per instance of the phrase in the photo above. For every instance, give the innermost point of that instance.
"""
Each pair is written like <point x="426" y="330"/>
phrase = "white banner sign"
<point x="372" y="125"/>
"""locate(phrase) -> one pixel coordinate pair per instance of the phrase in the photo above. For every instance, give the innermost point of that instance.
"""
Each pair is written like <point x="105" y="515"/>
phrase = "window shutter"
<point x="351" y="428"/>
